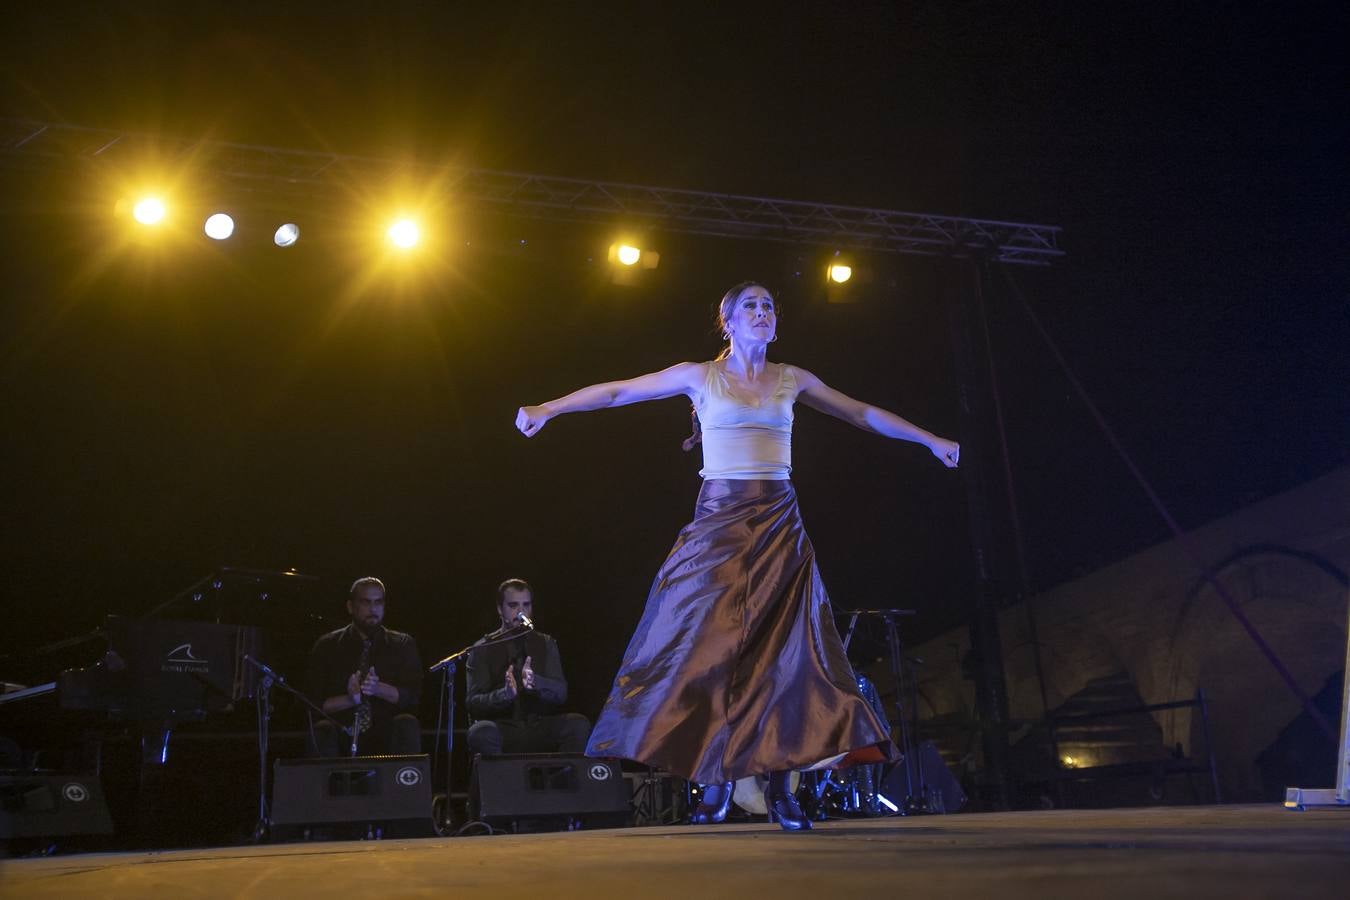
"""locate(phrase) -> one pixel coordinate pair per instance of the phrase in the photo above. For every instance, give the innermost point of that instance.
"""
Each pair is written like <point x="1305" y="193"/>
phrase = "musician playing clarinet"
<point x="369" y="678"/>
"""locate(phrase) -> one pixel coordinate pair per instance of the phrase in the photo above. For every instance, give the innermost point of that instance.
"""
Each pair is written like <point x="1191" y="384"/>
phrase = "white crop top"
<point x="744" y="440"/>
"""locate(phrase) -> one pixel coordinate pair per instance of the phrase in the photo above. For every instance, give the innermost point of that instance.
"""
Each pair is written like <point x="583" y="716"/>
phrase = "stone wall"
<point x="1151" y="616"/>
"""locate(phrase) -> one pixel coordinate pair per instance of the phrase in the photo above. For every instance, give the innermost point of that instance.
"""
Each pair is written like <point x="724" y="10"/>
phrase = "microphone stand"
<point x="447" y="667"/>
<point x="269" y="678"/>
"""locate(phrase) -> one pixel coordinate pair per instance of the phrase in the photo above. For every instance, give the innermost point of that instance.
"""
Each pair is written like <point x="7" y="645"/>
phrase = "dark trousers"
<point x="565" y="733"/>
<point x="397" y="736"/>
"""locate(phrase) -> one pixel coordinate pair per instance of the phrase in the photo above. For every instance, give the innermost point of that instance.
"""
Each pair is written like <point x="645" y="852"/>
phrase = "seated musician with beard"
<point x="369" y="675"/>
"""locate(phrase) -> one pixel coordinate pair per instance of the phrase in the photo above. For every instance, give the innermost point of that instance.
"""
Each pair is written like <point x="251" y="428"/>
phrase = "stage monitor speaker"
<point x="33" y="806"/>
<point x="548" y="786"/>
<point x="386" y="790"/>
<point x="940" y="788"/>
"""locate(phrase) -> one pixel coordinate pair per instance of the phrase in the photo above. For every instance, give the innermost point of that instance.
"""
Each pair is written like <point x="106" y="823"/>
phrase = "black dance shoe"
<point x="712" y="807"/>
<point x="782" y="803"/>
<point x="784" y="809"/>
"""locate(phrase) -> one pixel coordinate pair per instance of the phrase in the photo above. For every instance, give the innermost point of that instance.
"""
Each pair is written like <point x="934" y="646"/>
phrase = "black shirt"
<point x="393" y="656"/>
<point x="486" y="676"/>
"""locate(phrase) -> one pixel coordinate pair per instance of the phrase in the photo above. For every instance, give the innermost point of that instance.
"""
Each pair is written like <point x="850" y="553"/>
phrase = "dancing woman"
<point x="736" y="668"/>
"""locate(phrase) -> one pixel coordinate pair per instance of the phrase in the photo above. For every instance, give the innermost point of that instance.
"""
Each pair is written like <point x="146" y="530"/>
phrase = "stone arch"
<point x="1297" y="601"/>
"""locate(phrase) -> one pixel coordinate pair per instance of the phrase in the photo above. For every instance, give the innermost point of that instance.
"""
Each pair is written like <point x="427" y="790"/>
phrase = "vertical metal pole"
<point x="1209" y="745"/>
<point x="1339" y="796"/>
<point x="448" y="680"/>
<point x="991" y="690"/>
<point x="907" y="751"/>
<point x="264" y="714"/>
<point x="1343" y="757"/>
<point x="1028" y="596"/>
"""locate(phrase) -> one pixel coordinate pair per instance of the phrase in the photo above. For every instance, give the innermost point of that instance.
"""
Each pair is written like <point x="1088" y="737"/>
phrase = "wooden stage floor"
<point x="1191" y="852"/>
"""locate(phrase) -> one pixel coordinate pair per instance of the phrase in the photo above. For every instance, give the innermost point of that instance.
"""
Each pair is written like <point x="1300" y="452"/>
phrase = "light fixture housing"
<point x="286" y="235"/>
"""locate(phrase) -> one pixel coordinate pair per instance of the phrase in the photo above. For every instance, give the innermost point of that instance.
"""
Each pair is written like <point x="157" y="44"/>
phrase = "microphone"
<point x="264" y="668"/>
<point x="520" y="621"/>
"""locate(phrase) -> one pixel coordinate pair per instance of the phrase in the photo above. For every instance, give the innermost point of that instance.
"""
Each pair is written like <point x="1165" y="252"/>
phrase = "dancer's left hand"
<point x="947" y="452"/>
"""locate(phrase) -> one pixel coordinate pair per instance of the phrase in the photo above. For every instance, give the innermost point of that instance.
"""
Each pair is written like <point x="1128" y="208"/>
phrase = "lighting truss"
<point x="24" y="141"/>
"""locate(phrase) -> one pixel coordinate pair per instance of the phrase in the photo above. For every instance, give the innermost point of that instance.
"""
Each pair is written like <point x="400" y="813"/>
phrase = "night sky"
<point x="172" y="410"/>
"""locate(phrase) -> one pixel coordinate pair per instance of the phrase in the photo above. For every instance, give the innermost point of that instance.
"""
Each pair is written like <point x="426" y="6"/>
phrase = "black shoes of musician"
<point x="713" y="805"/>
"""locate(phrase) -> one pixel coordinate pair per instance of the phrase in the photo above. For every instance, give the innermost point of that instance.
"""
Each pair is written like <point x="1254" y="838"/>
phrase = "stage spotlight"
<point x="219" y="226"/>
<point x="841" y="279"/>
<point x="839" y="273"/>
<point x="149" y="211"/>
<point x="404" y="234"/>
<point x="631" y="256"/>
<point x="286" y="235"/>
<point x="627" y="262"/>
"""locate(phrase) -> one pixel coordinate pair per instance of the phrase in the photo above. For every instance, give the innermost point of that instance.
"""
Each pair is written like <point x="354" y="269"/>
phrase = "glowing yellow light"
<point x="149" y="211"/>
<point x="628" y="254"/>
<point x="1069" y="762"/>
<point x="219" y="227"/>
<point x="404" y="234"/>
<point x="840" y="273"/>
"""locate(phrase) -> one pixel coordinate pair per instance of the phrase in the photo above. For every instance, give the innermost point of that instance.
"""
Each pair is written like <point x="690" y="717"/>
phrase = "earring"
<point x="772" y="339"/>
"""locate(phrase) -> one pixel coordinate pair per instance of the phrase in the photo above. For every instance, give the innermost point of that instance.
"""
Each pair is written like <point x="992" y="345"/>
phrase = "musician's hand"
<point x="529" y="419"/>
<point x="510" y="683"/>
<point x="371" y="683"/>
<point x="527" y="674"/>
<point x="354" y="687"/>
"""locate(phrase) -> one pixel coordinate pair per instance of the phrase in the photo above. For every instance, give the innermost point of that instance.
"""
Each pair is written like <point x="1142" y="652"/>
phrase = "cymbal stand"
<point x="916" y="802"/>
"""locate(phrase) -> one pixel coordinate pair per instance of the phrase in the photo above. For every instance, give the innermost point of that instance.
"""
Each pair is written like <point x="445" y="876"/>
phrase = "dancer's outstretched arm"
<point x="818" y="395"/>
<point x="681" y="378"/>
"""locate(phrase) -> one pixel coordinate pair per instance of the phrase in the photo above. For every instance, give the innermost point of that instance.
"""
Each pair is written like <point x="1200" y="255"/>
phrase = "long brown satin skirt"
<point x="736" y="668"/>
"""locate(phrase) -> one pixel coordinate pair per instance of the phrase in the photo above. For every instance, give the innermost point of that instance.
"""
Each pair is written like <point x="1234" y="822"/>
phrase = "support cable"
<point x="1181" y="538"/>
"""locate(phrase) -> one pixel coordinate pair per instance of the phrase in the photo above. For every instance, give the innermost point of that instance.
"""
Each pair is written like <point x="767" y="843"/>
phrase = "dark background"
<point x="171" y="407"/>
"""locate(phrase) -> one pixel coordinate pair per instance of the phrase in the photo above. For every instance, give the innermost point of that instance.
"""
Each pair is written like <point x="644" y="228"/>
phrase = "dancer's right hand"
<point x="529" y="419"/>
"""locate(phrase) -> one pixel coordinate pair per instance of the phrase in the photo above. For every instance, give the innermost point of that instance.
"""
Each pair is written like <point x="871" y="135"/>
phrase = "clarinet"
<point x="361" y="717"/>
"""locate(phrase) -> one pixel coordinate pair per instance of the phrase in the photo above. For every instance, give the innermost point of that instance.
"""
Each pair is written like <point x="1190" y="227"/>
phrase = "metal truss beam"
<point x="550" y="197"/>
